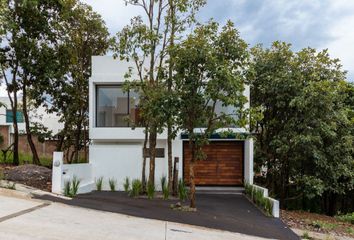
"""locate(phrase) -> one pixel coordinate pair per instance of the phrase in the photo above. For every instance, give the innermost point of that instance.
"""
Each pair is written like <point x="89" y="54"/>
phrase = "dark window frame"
<point x="97" y="86"/>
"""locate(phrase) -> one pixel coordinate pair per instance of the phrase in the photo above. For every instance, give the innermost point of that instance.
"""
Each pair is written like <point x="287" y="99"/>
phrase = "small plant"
<point x="126" y="185"/>
<point x="306" y="236"/>
<point x="350" y="230"/>
<point x="112" y="184"/>
<point x="11" y="186"/>
<point x="136" y="188"/>
<point x="164" y="187"/>
<point x="346" y="218"/>
<point x="74" y="186"/>
<point x="150" y="190"/>
<point x="67" y="189"/>
<point x="99" y="183"/>
<point x="182" y="190"/>
<point x="324" y="225"/>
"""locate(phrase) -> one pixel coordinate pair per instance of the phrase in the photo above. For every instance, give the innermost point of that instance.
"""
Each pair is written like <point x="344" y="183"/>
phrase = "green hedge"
<point x="256" y="195"/>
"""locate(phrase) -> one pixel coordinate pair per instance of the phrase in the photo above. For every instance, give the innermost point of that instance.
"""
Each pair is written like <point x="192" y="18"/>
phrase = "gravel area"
<point x="29" y="174"/>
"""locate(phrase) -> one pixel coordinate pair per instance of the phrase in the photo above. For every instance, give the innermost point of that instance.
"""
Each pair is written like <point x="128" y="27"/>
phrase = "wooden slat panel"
<point x="223" y="165"/>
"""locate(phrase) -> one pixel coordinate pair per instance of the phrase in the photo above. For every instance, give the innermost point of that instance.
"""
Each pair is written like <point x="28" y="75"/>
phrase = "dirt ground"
<point x="28" y="174"/>
<point x="317" y="223"/>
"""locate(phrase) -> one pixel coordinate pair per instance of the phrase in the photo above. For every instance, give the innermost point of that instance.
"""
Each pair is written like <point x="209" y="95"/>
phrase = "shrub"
<point x="99" y="183"/>
<point x="136" y="188"/>
<point x="256" y="195"/>
<point x="150" y="190"/>
<point x="346" y="218"/>
<point x="74" y="186"/>
<point x="126" y="185"/>
<point x="164" y="187"/>
<point x="182" y="190"/>
<point x="112" y="184"/>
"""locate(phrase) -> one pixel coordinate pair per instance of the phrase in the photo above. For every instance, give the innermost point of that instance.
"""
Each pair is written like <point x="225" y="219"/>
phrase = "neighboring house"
<point x="116" y="149"/>
<point x="51" y="121"/>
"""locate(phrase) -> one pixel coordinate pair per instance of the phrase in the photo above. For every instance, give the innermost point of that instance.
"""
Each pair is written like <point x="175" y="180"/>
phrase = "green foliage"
<point x="164" y="187"/>
<point x="324" y="225"/>
<point x="346" y="218"/>
<point x="137" y="188"/>
<point x="150" y="190"/>
<point x="182" y="191"/>
<point x="306" y="235"/>
<point x="99" y="183"/>
<point x="305" y="136"/>
<point x="112" y="184"/>
<point x="75" y="183"/>
<point x="257" y="196"/>
<point x="71" y="187"/>
<point x="67" y="188"/>
<point x="126" y="185"/>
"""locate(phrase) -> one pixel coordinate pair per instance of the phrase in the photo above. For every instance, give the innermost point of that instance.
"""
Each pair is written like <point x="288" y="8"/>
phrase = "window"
<point x="10" y="119"/>
<point x="116" y="108"/>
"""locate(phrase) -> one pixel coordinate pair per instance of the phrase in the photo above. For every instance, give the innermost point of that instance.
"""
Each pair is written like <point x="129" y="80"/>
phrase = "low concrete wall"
<point x="275" y="203"/>
<point x="66" y="172"/>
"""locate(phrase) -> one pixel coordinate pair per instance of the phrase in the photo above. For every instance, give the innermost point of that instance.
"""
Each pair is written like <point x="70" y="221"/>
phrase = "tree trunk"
<point x="143" y="177"/>
<point x="169" y="155"/>
<point x="16" y="160"/>
<point x="152" y="149"/>
<point x="77" y="142"/>
<point x="35" y="158"/>
<point x="191" y="175"/>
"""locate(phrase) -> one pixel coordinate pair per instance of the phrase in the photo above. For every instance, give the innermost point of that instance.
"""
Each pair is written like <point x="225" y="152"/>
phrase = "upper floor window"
<point x="116" y="108"/>
<point x="10" y="118"/>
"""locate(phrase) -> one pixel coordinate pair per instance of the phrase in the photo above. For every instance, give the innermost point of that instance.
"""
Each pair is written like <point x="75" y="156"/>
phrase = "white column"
<point x="248" y="170"/>
<point x="57" y="172"/>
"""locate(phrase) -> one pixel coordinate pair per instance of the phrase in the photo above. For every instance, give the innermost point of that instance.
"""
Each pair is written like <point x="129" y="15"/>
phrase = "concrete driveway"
<point x="228" y="212"/>
<point x="26" y="219"/>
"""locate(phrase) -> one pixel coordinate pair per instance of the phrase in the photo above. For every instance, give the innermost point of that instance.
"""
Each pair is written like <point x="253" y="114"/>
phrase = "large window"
<point x="116" y="108"/>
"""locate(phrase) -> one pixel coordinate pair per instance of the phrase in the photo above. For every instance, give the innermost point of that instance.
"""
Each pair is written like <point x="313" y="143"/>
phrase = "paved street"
<point x="26" y="219"/>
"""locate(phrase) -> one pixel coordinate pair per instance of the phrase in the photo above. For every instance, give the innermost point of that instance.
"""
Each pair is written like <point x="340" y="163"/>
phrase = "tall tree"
<point x="28" y="34"/>
<point x="148" y="44"/>
<point x="209" y="69"/>
<point x="304" y="138"/>
<point x="84" y="35"/>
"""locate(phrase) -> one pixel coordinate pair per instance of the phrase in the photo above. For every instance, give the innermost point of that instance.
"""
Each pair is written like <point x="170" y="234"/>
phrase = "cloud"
<point x="316" y="23"/>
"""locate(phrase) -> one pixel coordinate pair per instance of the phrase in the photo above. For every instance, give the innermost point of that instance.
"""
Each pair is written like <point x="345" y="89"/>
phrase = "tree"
<point x="83" y="36"/>
<point x="305" y="137"/>
<point x="149" y="44"/>
<point x="28" y="33"/>
<point x="209" y="69"/>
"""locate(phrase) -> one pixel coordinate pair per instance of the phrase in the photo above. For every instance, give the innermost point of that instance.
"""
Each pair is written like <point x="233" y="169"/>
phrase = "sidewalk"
<point x="26" y="219"/>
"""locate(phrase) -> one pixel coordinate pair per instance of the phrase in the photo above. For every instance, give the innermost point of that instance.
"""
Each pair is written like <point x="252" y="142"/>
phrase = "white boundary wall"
<point x="275" y="203"/>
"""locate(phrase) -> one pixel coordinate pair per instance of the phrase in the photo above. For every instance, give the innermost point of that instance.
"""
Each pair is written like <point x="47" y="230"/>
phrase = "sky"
<point x="321" y="24"/>
<point x="316" y="23"/>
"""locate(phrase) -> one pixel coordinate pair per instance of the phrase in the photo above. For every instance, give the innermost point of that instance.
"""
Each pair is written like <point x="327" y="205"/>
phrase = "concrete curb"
<point x="24" y="191"/>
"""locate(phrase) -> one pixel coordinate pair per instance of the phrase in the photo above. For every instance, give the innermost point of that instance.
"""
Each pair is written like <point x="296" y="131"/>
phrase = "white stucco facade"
<point x="117" y="152"/>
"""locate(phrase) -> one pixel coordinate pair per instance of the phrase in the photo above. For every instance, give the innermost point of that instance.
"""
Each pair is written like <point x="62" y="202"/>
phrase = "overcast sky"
<point x="315" y="23"/>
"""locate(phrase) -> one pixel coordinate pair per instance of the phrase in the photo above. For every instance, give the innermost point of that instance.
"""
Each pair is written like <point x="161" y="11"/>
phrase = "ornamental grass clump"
<point x="164" y="187"/>
<point x="137" y="188"/>
<point x="150" y="190"/>
<point x="182" y="190"/>
<point x="99" y="183"/>
<point x="112" y="184"/>
<point x="126" y="185"/>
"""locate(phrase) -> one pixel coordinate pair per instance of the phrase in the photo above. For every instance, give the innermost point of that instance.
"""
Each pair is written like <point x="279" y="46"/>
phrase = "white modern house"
<point x="116" y="149"/>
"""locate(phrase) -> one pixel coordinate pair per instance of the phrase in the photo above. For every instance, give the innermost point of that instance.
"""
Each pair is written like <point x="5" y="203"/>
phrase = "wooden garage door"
<point x="223" y="165"/>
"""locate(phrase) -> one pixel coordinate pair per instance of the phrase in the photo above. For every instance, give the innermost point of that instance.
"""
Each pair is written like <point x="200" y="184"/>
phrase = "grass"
<point x="350" y="230"/>
<point x="137" y="188"/>
<point x="25" y="158"/>
<point x="150" y="190"/>
<point x="324" y="225"/>
<point x="71" y="188"/>
<point x="257" y="196"/>
<point x="346" y="218"/>
<point x="112" y="184"/>
<point x="126" y="185"/>
<point x="99" y="183"/>
<point x="182" y="190"/>
<point x="306" y="236"/>
<point x="164" y="187"/>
